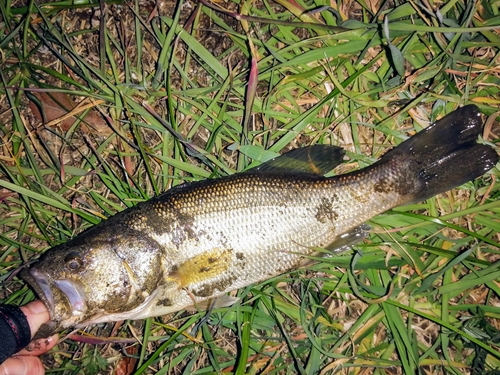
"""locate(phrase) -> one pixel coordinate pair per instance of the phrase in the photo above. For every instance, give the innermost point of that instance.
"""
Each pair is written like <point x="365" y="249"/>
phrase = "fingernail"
<point x="42" y="345"/>
<point x="36" y="307"/>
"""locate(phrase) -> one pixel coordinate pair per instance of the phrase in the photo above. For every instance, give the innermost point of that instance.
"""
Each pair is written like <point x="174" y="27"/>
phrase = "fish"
<point x="200" y="240"/>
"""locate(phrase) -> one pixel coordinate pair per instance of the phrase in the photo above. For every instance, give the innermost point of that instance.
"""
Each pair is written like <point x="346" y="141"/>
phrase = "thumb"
<point x="22" y="365"/>
<point x="36" y="313"/>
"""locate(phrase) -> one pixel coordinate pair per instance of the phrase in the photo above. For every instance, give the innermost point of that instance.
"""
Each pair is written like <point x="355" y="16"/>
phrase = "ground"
<point x="163" y="92"/>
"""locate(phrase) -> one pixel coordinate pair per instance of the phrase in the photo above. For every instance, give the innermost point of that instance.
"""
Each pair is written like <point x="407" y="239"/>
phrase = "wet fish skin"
<point x="200" y="240"/>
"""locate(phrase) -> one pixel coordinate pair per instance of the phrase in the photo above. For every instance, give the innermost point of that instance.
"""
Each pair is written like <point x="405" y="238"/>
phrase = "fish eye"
<point x="73" y="261"/>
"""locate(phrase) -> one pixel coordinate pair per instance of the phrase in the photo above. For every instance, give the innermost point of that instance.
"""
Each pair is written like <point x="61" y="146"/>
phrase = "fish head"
<point x="106" y="271"/>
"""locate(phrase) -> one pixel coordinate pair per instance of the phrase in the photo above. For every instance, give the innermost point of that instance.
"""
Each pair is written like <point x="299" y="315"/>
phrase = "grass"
<point x="191" y="90"/>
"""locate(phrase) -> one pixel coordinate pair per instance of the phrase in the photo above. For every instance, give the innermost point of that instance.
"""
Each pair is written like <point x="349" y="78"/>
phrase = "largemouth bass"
<point x="201" y="240"/>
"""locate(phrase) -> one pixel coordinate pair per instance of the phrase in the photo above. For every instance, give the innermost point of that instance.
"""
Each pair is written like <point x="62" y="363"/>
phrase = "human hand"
<point x="26" y="361"/>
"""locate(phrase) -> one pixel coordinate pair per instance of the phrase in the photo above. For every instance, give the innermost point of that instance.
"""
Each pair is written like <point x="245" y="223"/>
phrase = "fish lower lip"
<point x="73" y="293"/>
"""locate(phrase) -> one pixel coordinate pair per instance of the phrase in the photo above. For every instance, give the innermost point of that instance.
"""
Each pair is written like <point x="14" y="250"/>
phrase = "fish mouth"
<point x="73" y="293"/>
<point x="63" y="298"/>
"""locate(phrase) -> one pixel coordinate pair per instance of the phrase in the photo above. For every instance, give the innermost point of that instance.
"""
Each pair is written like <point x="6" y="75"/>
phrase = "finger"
<point x="22" y="366"/>
<point x="40" y="346"/>
<point x="36" y="313"/>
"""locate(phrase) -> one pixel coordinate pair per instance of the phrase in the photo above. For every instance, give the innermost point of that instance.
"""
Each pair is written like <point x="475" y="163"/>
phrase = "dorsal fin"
<point x="316" y="159"/>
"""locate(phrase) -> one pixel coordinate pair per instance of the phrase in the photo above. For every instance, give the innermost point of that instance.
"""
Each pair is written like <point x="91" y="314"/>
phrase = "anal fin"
<point x="346" y="241"/>
<point x="341" y="244"/>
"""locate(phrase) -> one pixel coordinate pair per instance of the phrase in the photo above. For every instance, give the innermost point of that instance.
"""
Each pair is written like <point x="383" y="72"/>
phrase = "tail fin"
<point x="444" y="155"/>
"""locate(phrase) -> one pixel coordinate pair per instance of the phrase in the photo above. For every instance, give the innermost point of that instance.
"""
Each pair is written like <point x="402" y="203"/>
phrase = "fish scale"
<point x="200" y="240"/>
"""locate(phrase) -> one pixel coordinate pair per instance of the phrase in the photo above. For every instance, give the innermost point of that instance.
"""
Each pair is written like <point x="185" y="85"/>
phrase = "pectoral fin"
<point x="202" y="267"/>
